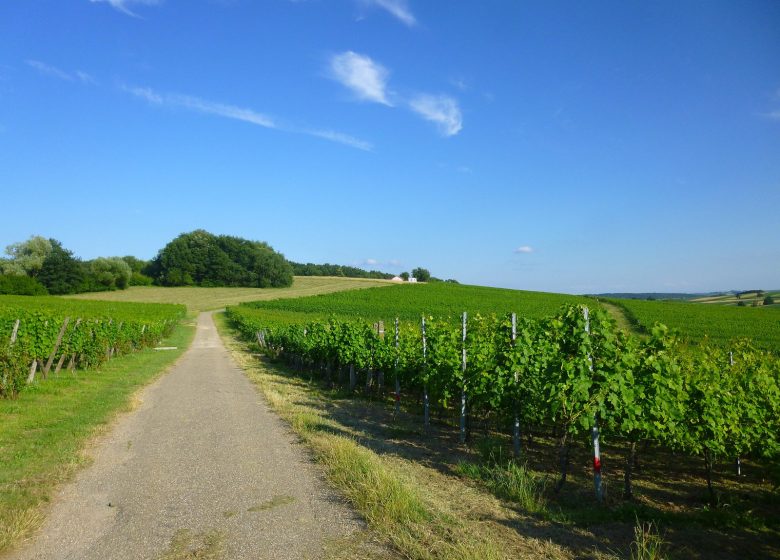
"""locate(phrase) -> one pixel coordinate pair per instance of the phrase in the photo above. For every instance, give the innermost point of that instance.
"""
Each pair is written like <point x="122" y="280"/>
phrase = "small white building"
<point x="396" y="279"/>
<point x="412" y="279"/>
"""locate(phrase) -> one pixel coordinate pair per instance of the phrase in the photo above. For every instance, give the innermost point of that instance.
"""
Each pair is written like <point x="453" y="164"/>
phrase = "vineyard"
<point x="716" y="323"/>
<point x="406" y="301"/>
<point x="571" y="373"/>
<point x="42" y="335"/>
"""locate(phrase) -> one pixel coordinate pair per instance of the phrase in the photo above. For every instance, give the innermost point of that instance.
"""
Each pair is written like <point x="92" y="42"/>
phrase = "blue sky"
<point x="556" y="146"/>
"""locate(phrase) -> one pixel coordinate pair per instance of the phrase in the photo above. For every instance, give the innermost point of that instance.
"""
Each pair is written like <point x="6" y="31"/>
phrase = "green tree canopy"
<point x="110" y="273"/>
<point x="422" y="274"/>
<point x="61" y="272"/>
<point x="26" y="257"/>
<point x="200" y="258"/>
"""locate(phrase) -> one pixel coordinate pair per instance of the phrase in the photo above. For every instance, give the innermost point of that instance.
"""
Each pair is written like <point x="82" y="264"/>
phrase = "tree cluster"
<point x="200" y="258"/>
<point x="39" y="266"/>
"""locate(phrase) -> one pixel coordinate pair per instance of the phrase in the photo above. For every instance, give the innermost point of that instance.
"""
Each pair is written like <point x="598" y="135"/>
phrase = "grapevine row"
<point x="574" y="371"/>
<point x="38" y="339"/>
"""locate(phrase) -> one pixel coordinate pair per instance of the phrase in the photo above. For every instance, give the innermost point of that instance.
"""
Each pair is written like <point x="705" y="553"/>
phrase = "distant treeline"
<point x="650" y="295"/>
<point x="199" y="258"/>
<point x="311" y="269"/>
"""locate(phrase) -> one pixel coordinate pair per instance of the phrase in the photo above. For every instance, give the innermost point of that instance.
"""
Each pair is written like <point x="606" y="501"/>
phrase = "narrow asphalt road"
<point x="202" y="462"/>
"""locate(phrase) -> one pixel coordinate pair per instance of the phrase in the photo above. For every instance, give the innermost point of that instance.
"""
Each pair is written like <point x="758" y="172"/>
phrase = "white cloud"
<point x="524" y="249"/>
<point x="121" y="5"/>
<point x="398" y="8"/>
<point x="773" y="115"/>
<point x="440" y="109"/>
<point x="366" y="78"/>
<point x="251" y="116"/>
<point x="372" y="262"/>
<point x="220" y="109"/>
<point x="341" y="138"/>
<point x="48" y="70"/>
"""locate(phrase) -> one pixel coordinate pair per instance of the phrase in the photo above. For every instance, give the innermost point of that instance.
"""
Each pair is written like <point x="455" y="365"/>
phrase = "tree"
<point x="422" y="274"/>
<point x="405" y="276"/>
<point x="769" y="300"/>
<point x="110" y="273"/>
<point x="61" y="273"/>
<point x="26" y="256"/>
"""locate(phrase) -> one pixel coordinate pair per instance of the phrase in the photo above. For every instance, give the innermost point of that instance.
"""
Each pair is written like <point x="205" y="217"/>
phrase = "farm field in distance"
<point x="721" y="324"/>
<point x="743" y="298"/>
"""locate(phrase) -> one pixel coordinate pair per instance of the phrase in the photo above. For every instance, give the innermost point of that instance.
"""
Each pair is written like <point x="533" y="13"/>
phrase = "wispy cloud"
<point x="122" y="5"/>
<point x="222" y="110"/>
<point x="54" y="72"/>
<point x="48" y="70"/>
<point x="367" y="79"/>
<point x="341" y="138"/>
<point x="523" y="250"/>
<point x="460" y="83"/>
<point x="199" y="105"/>
<point x="440" y="109"/>
<point x="145" y="93"/>
<point x="773" y="115"/>
<point x="397" y="8"/>
<point x="86" y="78"/>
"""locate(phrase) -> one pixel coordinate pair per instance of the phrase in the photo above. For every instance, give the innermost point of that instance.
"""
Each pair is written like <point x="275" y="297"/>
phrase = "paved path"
<point x="202" y="454"/>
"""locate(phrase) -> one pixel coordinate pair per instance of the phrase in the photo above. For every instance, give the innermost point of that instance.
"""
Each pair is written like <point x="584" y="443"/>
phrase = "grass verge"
<point x="44" y="433"/>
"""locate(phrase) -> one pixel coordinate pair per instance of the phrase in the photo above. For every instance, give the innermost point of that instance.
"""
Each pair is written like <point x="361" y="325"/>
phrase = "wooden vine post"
<point x="594" y="432"/>
<point x="463" y="386"/>
<point x="53" y="353"/>
<point x="14" y="332"/>
<point x="516" y="428"/>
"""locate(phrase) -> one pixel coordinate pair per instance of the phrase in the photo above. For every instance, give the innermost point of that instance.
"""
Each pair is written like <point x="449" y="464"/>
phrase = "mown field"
<point x="206" y="299"/>
<point x="698" y="322"/>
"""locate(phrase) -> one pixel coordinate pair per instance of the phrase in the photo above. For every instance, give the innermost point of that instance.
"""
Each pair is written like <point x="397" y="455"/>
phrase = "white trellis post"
<point x="463" y="387"/>
<point x="594" y="433"/>
<point x="516" y="428"/>
<point x="426" y="404"/>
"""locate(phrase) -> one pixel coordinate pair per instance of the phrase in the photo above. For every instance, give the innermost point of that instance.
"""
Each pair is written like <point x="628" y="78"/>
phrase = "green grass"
<point x="409" y="301"/>
<point x="43" y="433"/>
<point x="206" y="299"/>
<point x="720" y="324"/>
